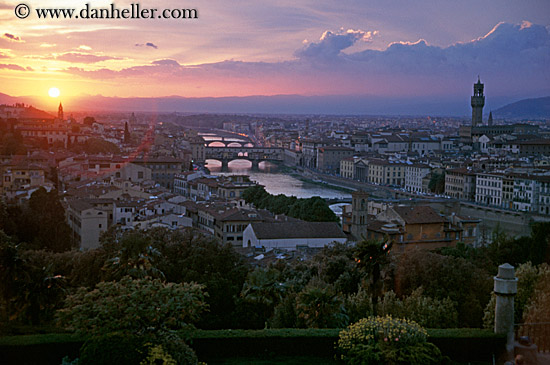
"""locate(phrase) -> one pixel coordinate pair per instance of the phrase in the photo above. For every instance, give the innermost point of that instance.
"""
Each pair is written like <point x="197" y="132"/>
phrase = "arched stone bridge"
<point x="227" y="141"/>
<point x="253" y="154"/>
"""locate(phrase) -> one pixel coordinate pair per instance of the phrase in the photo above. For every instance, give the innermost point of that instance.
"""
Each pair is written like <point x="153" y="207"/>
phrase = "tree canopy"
<point x="313" y="209"/>
<point x="134" y="305"/>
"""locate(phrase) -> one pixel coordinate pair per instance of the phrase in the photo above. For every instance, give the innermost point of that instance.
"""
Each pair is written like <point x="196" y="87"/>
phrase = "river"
<point x="277" y="182"/>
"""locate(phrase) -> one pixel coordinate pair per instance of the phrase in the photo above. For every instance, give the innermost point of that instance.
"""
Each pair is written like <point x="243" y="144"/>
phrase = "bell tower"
<point x="478" y="102"/>
<point x="60" y="112"/>
<point x="359" y="211"/>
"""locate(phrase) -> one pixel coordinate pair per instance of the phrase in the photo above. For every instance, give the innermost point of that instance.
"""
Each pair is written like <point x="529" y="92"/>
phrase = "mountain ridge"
<point x="532" y="108"/>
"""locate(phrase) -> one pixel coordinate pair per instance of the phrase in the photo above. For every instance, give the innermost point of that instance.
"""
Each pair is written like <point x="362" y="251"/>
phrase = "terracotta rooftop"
<point x="419" y="215"/>
<point x="297" y="230"/>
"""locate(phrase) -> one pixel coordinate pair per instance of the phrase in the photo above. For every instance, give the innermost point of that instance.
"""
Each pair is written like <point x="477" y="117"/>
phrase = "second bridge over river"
<point x="252" y="154"/>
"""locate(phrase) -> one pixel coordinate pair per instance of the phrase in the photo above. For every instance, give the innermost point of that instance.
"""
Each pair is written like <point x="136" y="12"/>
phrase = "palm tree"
<point x="320" y="306"/>
<point x="371" y="256"/>
<point x="263" y="287"/>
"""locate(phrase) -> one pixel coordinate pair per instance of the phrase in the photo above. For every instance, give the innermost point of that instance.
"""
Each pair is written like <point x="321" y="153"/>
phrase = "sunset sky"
<point x="382" y="48"/>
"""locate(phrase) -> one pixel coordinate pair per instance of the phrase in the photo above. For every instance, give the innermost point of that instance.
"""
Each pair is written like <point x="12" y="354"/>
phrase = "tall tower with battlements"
<point x="478" y="102"/>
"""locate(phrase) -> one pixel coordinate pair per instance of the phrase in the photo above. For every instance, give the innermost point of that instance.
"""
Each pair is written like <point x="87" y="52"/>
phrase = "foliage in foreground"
<point x="133" y="321"/>
<point x="426" y="311"/>
<point x="531" y="281"/>
<point x="124" y="348"/>
<point x="387" y="340"/>
<point x="135" y="305"/>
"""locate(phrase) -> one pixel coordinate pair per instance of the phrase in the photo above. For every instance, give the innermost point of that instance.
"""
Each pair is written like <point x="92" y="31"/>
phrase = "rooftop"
<point x="296" y="230"/>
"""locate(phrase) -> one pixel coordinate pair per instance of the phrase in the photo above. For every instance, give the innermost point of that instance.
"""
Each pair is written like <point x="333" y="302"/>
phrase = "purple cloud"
<point x="11" y="67"/>
<point x="511" y="59"/>
<point x="331" y="44"/>
<point x="166" y="62"/>
<point x="148" y="44"/>
<point x="11" y="37"/>
<point x="77" y="57"/>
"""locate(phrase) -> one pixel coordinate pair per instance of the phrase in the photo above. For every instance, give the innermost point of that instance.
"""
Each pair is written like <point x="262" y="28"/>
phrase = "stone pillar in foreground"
<point x="506" y="287"/>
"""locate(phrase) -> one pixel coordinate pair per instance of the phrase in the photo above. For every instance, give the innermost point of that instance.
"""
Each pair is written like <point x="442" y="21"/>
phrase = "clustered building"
<point x="133" y="173"/>
<point x="487" y="162"/>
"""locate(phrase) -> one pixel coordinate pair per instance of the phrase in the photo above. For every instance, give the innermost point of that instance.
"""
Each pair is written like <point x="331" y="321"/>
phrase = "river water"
<point x="276" y="182"/>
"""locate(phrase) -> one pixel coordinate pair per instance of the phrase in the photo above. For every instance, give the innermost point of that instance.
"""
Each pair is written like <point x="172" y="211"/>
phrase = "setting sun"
<point x="53" y="92"/>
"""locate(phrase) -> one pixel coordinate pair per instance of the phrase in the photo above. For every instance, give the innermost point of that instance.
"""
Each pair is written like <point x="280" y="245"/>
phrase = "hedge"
<point x="462" y="344"/>
<point x="39" y="349"/>
<point x="468" y="344"/>
<point x="217" y="344"/>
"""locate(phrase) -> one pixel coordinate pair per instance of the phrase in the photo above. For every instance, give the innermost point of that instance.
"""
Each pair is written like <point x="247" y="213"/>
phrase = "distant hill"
<point x="538" y="108"/>
<point x="292" y="104"/>
<point x="33" y="113"/>
<point x="266" y="104"/>
<point x="9" y="108"/>
<point x="6" y="99"/>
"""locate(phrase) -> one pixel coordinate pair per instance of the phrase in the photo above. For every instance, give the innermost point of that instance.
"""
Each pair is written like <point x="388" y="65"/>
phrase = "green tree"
<point x="43" y="223"/>
<point x="6" y="223"/>
<point x="358" y="305"/>
<point x="534" y="248"/>
<point x="29" y="293"/>
<point x="12" y="144"/>
<point x="14" y="276"/>
<point x="284" y="314"/>
<point x="335" y="264"/>
<point x="89" y="121"/>
<point x="134" y="305"/>
<point x="372" y="257"/>
<point x="96" y="145"/>
<point x="426" y="311"/>
<point x="190" y="256"/>
<point x="437" y="183"/>
<point x="264" y="288"/>
<point x="444" y="276"/>
<point x="319" y="306"/>
<point x="132" y="255"/>
<point x="538" y="309"/>
<point x="314" y="209"/>
<point x="529" y="276"/>
<point x="539" y="248"/>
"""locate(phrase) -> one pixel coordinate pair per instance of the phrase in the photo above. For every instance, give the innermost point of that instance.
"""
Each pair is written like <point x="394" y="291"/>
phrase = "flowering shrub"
<point x="387" y="340"/>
